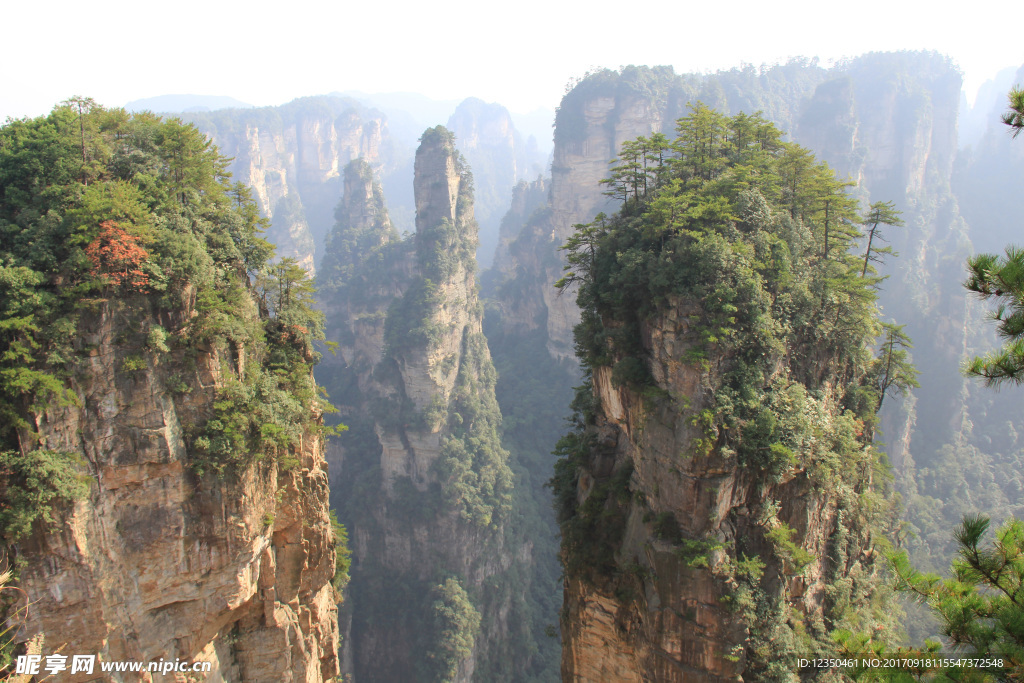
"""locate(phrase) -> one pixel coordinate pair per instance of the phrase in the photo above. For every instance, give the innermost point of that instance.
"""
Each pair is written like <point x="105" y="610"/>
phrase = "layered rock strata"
<point x="690" y="585"/>
<point x="500" y="159"/>
<point x="158" y="563"/>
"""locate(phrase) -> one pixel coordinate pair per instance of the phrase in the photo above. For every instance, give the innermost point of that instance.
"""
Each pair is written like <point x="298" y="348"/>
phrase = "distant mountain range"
<point x="186" y="103"/>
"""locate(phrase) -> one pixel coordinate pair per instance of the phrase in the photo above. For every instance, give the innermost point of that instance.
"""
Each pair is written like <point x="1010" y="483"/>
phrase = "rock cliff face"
<point x="521" y="252"/>
<point x="896" y="136"/>
<point x="500" y="159"/>
<point x="292" y="157"/>
<point x="424" y="484"/>
<point x="719" y="496"/>
<point x="159" y="563"/>
<point x="888" y="121"/>
<point x="595" y="118"/>
<point x="891" y="124"/>
<point x="984" y="172"/>
<point x="580" y="162"/>
<point x="699" y="588"/>
<point x="163" y="491"/>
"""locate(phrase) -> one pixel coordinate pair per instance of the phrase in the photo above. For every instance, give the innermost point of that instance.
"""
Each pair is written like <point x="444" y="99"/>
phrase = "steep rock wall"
<point x="500" y="159"/>
<point x="604" y="110"/>
<point x="720" y="496"/>
<point x="888" y="122"/>
<point x="679" y="518"/>
<point x="430" y="491"/>
<point x="294" y="155"/>
<point x="159" y="563"/>
<point x="520" y="252"/>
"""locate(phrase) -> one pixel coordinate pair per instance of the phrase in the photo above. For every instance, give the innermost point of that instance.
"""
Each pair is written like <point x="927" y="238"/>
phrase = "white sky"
<point x="519" y="53"/>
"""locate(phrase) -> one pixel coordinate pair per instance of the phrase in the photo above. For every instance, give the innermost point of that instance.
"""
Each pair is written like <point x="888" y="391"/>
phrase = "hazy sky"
<point x="520" y="54"/>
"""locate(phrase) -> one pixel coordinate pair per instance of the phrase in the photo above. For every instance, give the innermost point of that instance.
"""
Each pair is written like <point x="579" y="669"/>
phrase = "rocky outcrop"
<point x="896" y="136"/>
<point x="891" y="120"/>
<point x="423" y="482"/>
<point x="521" y="252"/>
<point x="500" y="159"/>
<point x="603" y="111"/>
<point x="719" y="495"/>
<point x="674" y="573"/>
<point x="292" y="157"/>
<point x="887" y="121"/>
<point x="600" y="126"/>
<point x="158" y="563"/>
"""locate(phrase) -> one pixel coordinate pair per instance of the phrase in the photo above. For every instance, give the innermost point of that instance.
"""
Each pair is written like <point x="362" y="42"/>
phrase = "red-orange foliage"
<point x="116" y="255"/>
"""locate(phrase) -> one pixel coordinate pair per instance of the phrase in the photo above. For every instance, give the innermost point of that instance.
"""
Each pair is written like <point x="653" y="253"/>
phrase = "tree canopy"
<point x="1014" y="117"/>
<point x="102" y="208"/>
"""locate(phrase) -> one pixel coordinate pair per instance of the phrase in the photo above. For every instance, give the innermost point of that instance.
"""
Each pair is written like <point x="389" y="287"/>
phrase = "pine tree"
<point x="702" y="144"/>
<point x="981" y="608"/>
<point x="880" y="213"/>
<point x="1002" y="279"/>
<point x="893" y="370"/>
<point x="1014" y="118"/>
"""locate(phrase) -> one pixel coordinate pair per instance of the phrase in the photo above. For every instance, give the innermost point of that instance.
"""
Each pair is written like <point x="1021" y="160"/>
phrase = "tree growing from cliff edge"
<point x="744" y="245"/>
<point x="893" y="369"/>
<point x="879" y="214"/>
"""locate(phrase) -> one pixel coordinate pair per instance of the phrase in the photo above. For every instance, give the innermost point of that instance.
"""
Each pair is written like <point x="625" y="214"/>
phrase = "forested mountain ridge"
<point x="164" y="487"/>
<point x="888" y="121"/>
<point x="155" y="374"/>
<point x="441" y="572"/>
<point x="721" y="504"/>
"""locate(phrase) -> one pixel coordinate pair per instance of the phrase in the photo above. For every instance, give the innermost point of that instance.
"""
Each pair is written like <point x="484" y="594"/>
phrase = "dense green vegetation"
<point x="754" y="243"/>
<point x="956" y="445"/>
<point x="103" y="213"/>
<point x="357" y="239"/>
<point x="761" y="235"/>
<point x="980" y="607"/>
<point x="131" y="224"/>
<point x="457" y="623"/>
<point x="342" y="556"/>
